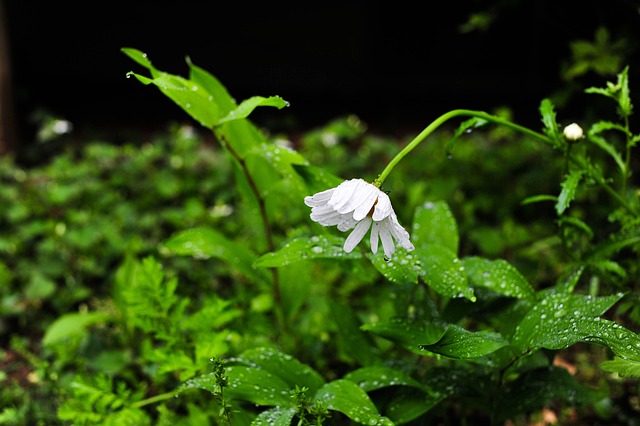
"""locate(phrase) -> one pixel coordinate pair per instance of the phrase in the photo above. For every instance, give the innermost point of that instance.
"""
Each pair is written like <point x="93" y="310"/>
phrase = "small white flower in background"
<point x="359" y="205"/>
<point x="573" y="132"/>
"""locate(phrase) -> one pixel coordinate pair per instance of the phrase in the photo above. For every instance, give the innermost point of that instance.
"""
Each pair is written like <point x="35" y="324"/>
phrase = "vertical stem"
<point x="265" y="222"/>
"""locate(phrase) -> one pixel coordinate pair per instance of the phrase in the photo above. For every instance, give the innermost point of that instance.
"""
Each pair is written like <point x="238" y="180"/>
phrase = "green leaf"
<point x="443" y="271"/>
<point x="286" y="367"/>
<point x="499" y="276"/>
<point x="204" y="243"/>
<point x="376" y="377"/>
<point x="402" y="268"/>
<point x="355" y="343"/>
<point x="595" y="137"/>
<point x="536" y="388"/>
<point x="408" y="404"/>
<point x="247" y="106"/>
<point x="410" y="334"/>
<point x="72" y="325"/>
<point x="349" y="399"/>
<point x="624" y="367"/>
<point x="434" y="223"/>
<point x="559" y="321"/>
<point x="463" y="344"/>
<point x="538" y="198"/>
<point x="303" y="248"/>
<point x="569" y="188"/>
<point x="547" y="110"/>
<point x="276" y="416"/>
<point x="464" y="127"/>
<point x="257" y="386"/>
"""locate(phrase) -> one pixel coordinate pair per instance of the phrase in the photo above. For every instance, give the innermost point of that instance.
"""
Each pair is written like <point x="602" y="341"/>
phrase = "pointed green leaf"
<point x="349" y="399"/>
<point x="374" y="378"/>
<point x="204" y="243"/>
<point x="276" y="416"/>
<point x="410" y="334"/>
<point x="434" y="223"/>
<point x="247" y="106"/>
<point x="463" y="344"/>
<point x="257" y="386"/>
<point x="72" y="325"/>
<point x="286" y="367"/>
<point x="499" y="276"/>
<point x="547" y="110"/>
<point x="302" y="248"/>
<point x="569" y="188"/>
<point x="624" y="367"/>
<point x="402" y="268"/>
<point x="443" y="271"/>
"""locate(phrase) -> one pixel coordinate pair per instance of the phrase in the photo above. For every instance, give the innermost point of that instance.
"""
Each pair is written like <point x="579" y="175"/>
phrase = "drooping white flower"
<point x="359" y="205"/>
<point x="573" y="132"/>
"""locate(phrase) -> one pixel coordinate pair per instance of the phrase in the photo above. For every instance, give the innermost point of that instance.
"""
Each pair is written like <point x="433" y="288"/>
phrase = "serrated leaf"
<point x="463" y="344"/>
<point x="204" y="243"/>
<point x="569" y="188"/>
<point x="443" y="271"/>
<point x="286" y="367"/>
<point x="434" y="223"/>
<point x="624" y="367"/>
<point x="304" y="248"/>
<point x="349" y="399"/>
<point x="596" y="138"/>
<point x="499" y="276"/>
<point x="257" y="386"/>
<point x="72" y="325"/>
<point x="548" y="113"/>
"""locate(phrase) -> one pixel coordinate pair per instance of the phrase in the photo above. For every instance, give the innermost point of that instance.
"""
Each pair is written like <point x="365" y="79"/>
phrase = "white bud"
<point x="573" y="132"/>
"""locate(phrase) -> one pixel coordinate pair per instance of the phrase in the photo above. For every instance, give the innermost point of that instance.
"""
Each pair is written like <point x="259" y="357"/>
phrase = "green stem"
<point x="154" y="399"/>
<point x="493" y="119"/>
<point x="441" y="120"/>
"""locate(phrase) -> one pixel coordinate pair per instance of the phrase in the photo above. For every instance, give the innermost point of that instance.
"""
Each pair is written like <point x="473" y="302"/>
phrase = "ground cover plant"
<point x="479" y="272"/>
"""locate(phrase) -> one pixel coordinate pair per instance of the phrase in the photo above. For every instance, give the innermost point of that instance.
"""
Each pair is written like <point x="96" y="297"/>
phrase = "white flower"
<point x="358" y="205"/>
<point x="573" y="132"/>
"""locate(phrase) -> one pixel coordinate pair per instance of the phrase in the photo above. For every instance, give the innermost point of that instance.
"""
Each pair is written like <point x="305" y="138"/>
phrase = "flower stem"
<point x="497" y="120"/>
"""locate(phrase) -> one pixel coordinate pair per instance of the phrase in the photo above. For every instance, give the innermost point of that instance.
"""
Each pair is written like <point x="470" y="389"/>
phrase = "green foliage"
<point x="183" y="283"/>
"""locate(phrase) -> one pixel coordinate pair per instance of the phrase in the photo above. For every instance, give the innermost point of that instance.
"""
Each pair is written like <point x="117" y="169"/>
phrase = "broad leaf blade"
<point x="349" y="399"/>
<point x="463" y="344"/>
<point x="303" y="248"/>
<point x="434" y="223"/>
<point x="443" y="271"/>
<point x="498" y="275"/>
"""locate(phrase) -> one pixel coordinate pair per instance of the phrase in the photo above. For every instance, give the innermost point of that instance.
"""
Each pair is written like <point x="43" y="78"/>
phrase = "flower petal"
<point x="319" y="199"/>
<point x="399" y="233"/>
<point x="383" y="207"/>
<point x="365" y="201"/>
<point x="346" y="223"/>
<point x="356" y="235"/>
<point x="343" y="193"/>
<point x="385" y="236"/>
<point x="375" y="232"/>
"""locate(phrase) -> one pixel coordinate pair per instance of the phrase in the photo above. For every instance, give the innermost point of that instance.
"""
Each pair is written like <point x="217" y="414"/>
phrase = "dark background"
<point x="390" y="63"/>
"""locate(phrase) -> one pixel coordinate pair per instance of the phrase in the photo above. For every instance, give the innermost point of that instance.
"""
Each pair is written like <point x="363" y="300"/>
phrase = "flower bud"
<point x="573" y="132"/>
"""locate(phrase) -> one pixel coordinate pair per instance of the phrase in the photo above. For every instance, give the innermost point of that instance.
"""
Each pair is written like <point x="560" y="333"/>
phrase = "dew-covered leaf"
<point x="463" y="344"/>
<point x="559" y="321"/>
<point x="443" y="271"/>
<point x="206" y="382"/>
<point x="499" y="276"/>
<point x="534" y="389"/>
<point x="408" y="404"/>
<point x="434" y="223"/>
<point x="301" y="248"/>
<point x="402" y="268"/>
<point x="247" y="106"/>
<point x="257" y="386"/>
<point x="349" y="399"/>
<point x="410" y="334"/>
<point x="378" y="377"/>
<point x="624" y="367"/>
<point x="283" y="365"/>
<point x="276" y="416"/>
<point x="204" y="243"/>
